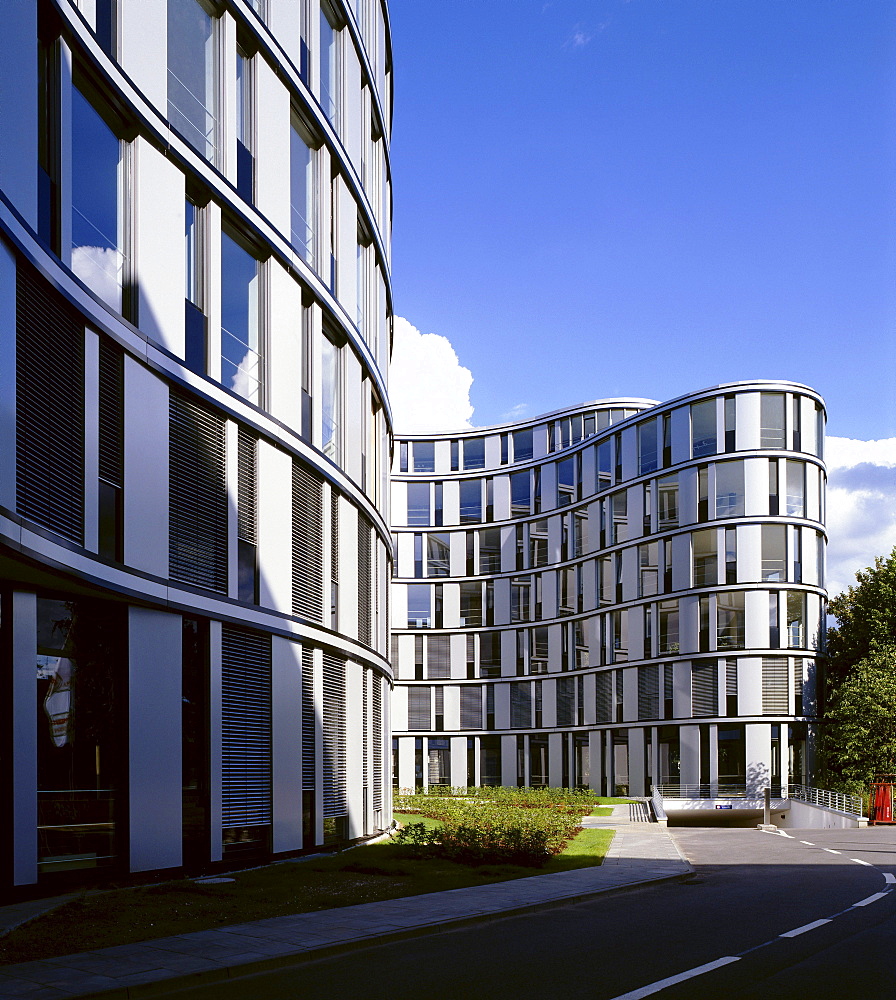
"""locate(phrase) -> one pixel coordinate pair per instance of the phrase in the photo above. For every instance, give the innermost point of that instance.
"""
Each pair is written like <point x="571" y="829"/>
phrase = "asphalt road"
<point x="748" y="890"/>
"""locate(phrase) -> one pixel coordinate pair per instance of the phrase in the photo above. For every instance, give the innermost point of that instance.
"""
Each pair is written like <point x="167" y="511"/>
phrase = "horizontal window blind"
<point x="471" y="706"/>
<point x="245" y="727"/>
<point x="648" y="692"/>
<point x="419" y="708"/>
<point x="521" y="705"/>
<point x="111" y="412"/>
<point x="438" y="657"/>
<point x="603" y="696"/>
<point x="334" y="749"/>
<point x="566" y="702"/>
<point x="309" y="721"/>
<point x="197" y="495"/>
<point x="774" y="685"/>
<point x="247" y="478"/>
<point x="377" y="741"/>
<point x="705" y="688"/>
<point x="307" y="543"/>
<point x="365" y="580"/>
<point x="49" y="408"/>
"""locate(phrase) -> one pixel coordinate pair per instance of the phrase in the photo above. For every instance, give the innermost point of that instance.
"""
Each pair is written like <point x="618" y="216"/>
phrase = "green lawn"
<point x="361" y="875"/>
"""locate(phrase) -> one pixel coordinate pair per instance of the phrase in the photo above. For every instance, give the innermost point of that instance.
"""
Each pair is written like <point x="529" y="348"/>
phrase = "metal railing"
<point x="830" y="800"/>
<point x="715" y="790"/>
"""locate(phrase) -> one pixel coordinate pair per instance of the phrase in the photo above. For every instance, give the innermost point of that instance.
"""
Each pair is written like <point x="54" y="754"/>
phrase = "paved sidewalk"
<point x="640" y="852"/>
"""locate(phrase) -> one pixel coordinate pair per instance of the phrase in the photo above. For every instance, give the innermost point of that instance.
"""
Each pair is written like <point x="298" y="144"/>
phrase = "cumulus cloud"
<point x="517" y="412"/>
<point x="100" y="269"/>
<point x="861" y="506"/>
<point x="428" y="387"/>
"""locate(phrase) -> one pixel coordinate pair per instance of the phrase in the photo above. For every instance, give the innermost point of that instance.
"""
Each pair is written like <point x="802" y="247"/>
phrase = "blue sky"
<point x="646" y="197"/>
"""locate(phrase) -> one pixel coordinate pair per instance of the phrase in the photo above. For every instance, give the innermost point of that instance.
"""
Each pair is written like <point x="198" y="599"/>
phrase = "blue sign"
<point x="729" y="806"/>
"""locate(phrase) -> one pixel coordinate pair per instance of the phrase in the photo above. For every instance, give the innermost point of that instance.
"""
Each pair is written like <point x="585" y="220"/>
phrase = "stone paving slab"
<point x="640" y="852"/>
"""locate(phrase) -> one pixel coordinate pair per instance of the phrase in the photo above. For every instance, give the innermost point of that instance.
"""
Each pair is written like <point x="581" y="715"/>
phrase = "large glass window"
<point x="796" y="619"/>
<point x="302" y="179"/>
<point x="80" y="649"/>
<point x="437" y="554"/>
<point x="667" y="502"/>
<point x="771" y="420"/>
<point x="331" y="399"/>
<point x="241" y="359"/>
<point x="774" y="552"/>
<point x="474" y="453"/>
<point x="730" y="489"/>
<point x="706" y="572"/>
<point x="522" y="445"/>
<point x="566" y="482"/>
<point x="418" y="504"/>
<point x="329" y="68"/>
<point x="192" y="81"/>
<point x="647" y="450"/>
<point x="796" y="488"/>
<point x="419" y="605"/>
<point x="648" y="569"/>
<point x="470" y="500"/>
<point x="703" y="428"/>
<point x="730" y="621"/>
<point x="668" y="626"/>
<point x="471" y="603"/>
<point x="490" y="550"/>
<point x="424" y="456"/>
<point x="98" y="257"/>
<point x="520" y="493"/>
<point x="245" y="126"/>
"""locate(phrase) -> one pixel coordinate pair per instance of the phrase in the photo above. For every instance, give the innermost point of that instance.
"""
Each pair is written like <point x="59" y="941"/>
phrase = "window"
<point x="490" y="550"/>
<point x="667" y="502"/>
<point x="247" y="540"/>
<point x="730" y="489"/>
<point x="328" y="90"/>
<point x="619" y="626"/>
<point x="705" y="558"/>
<point x="730" y="423"/>
<point x="418" y="504"/>
<point x="703" y="428"/>
<point x="331" y="399"/>
<point x="731" y="555"/>
<point x="796" y="488"/>
<point x="796" y="619"/>
<point x="241" y="358"/>
<point x="97" y="223"/>
<point x="648" y="569"/>
<point x="538" y="543"/>
<point x="419" y="605"/>
<point x="566" y="482"/>
<point x="302" y="188"/>
<point x="196" y="322"/>
<point x="773" y="492"/>
<point x="437" y="555"/>
<point x="771" y="420"/>
<point x="192" y="79"/>
<point x="522" y="445"/>
<point x="470" y="501"/>
<point x="245" y="125"/>
<point x="474" y="454"/>
<point x="471" y="604"/>
<point x="647" y="451"/>
<point x="519" y="599"/>
<point x="667" y="616"/>
<point x="424" y="456"/>
<point x="520" y="494"/>
<point x="730" y="621"/>
<point x="620" y="517"/>
<point x="774" y="552"/>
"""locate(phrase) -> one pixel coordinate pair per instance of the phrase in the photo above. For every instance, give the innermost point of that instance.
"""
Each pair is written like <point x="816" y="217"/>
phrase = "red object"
<point x="881" y="800"/>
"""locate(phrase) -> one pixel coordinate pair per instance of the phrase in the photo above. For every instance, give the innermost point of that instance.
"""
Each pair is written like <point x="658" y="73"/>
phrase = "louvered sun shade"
<point x="307" y="543"/>
<point x="365" y="580"/>
<point x="377" y="741"/>
<point x="566" y="701"/>
<point x="197" y="496"/>
<point x="335" y="800"/>
<point x="309" y="721"/>
<point x="471" y="706"/>
<point x="49" y="408"/>
<point x="111" y="407"/>
<point x="245" y="727"/>
<point x="705" y="688"/>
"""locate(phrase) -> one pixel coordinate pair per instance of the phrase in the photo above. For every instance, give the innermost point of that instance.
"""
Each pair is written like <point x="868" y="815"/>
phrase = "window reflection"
<point x="191" y="75"/>
<point x="241" y="360"/>
<point x="97" y="255"/>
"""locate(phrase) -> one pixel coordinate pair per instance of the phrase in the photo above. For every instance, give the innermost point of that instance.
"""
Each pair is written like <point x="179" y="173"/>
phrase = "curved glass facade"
<point x="618" y="595"/>
<point x="194" y="282"/>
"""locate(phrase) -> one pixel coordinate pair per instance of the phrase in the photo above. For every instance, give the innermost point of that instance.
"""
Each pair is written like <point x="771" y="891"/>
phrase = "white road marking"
<point x="784" y="833"/>
<point x="808" y="843"/>
<point x="871" y="899"/>
<point x="802" y="930"/>
<point x="859" y="861"/>
<point x="830" y="850"/>
<point x="889" y="877"/>
<point x="646" y="991"/>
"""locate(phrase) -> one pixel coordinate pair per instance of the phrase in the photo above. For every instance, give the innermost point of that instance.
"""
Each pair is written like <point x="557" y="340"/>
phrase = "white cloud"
<point x="861" y="506"/>
<point x="428" y="387"/>
<point x="517" y="412"/>
<point x="100" y="269"/>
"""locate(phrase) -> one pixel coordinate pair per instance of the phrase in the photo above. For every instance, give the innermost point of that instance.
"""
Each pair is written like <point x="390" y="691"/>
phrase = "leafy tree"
<point x="866" y="618"/>
<point x="858" y="739"/>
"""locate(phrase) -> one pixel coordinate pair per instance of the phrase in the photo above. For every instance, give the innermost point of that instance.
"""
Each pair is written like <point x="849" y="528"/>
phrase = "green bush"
<point x="522" y="826"/>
